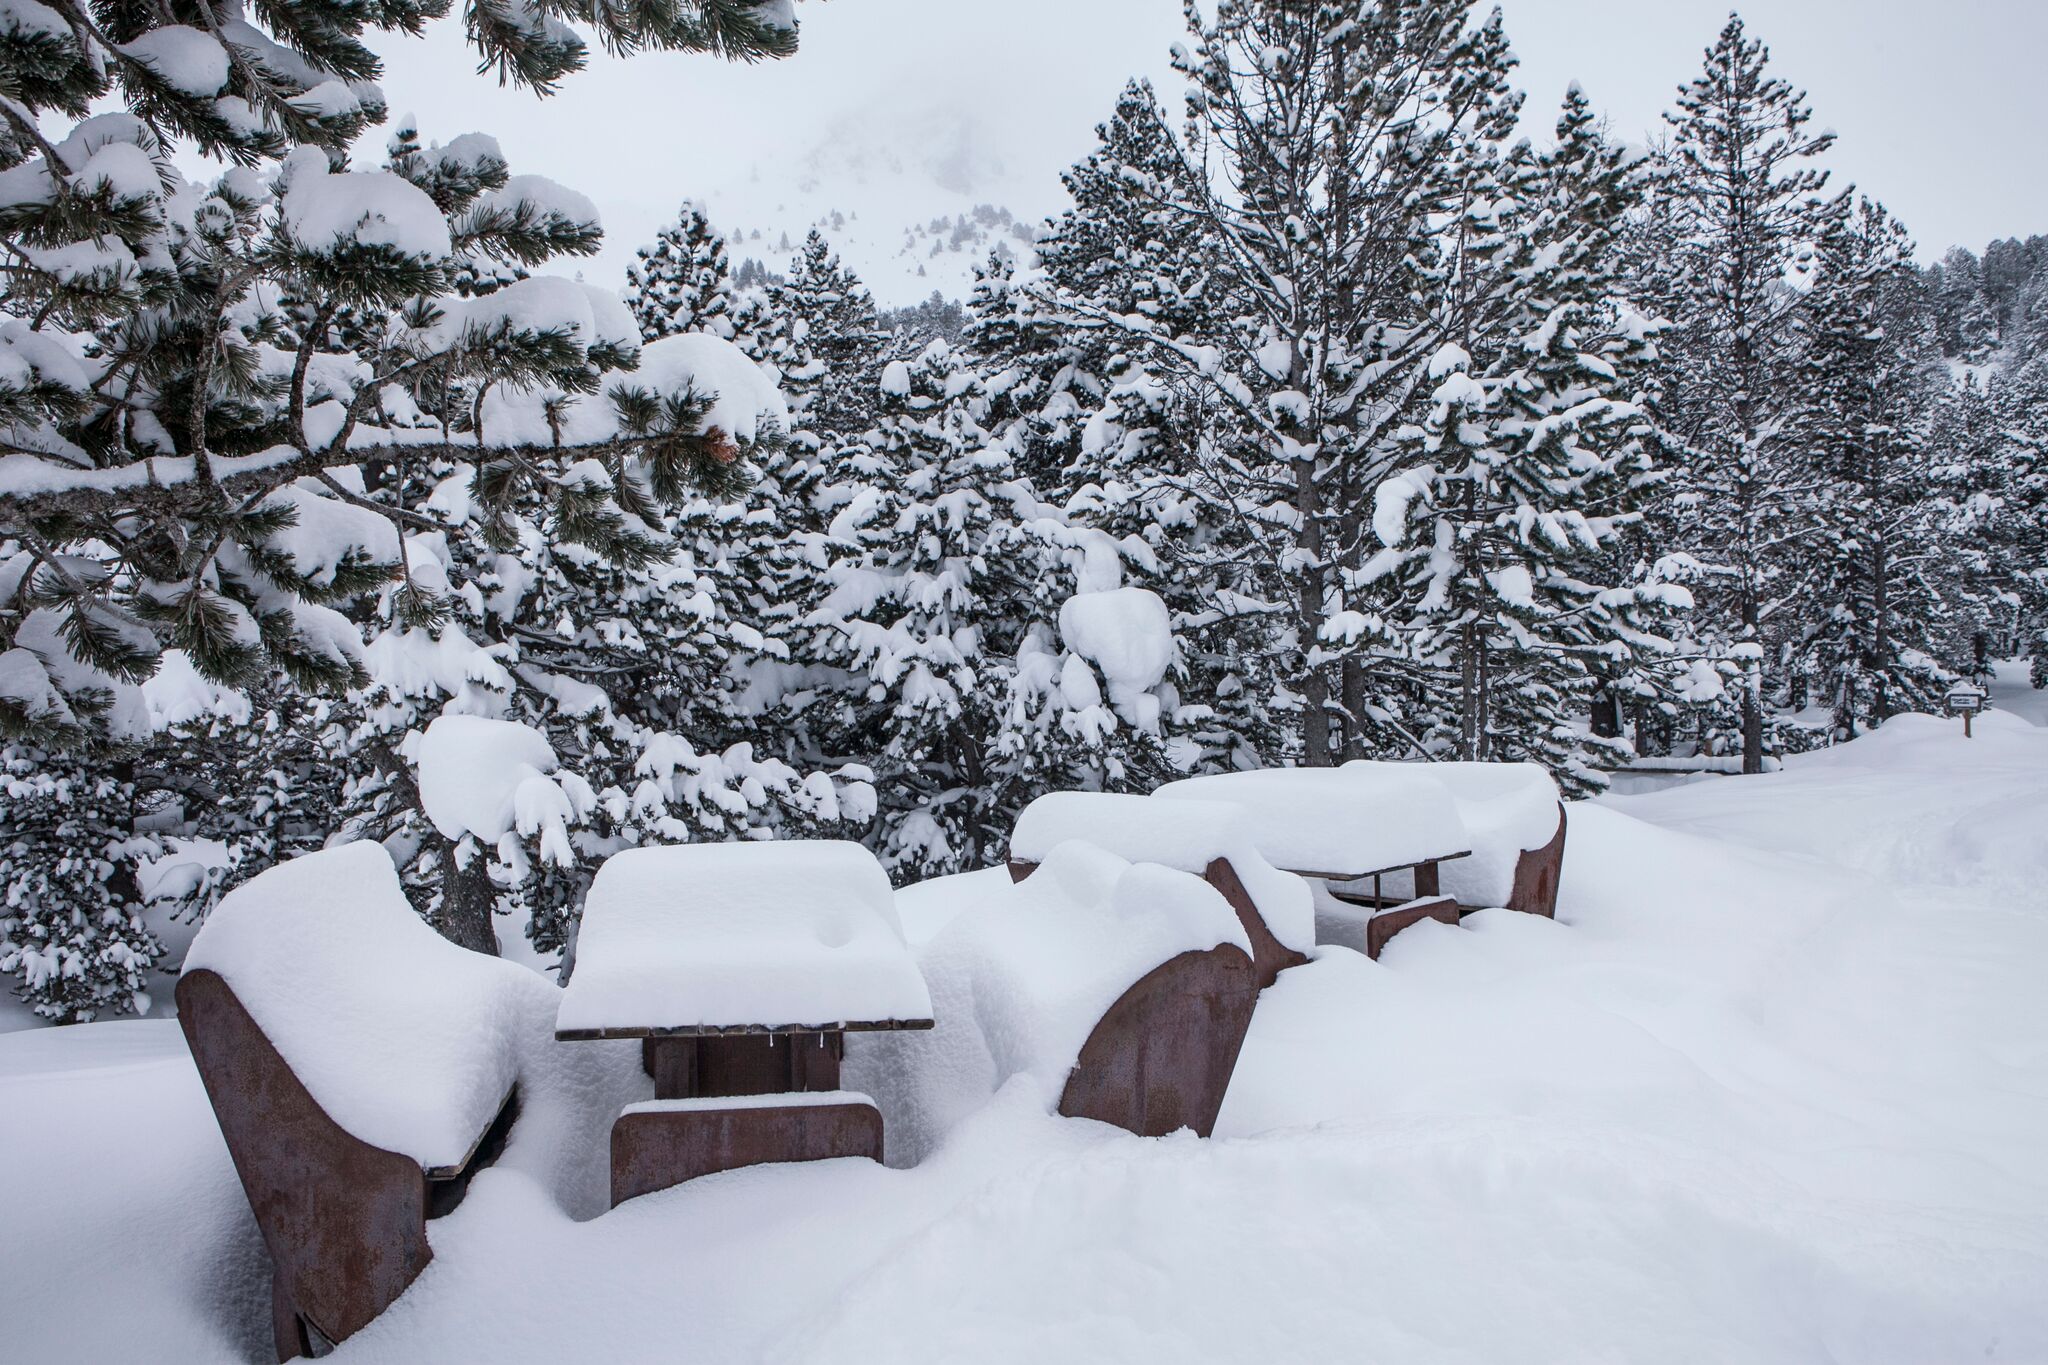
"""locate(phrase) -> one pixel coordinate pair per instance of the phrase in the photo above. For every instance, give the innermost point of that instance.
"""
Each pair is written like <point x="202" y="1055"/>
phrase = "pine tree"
<point x="683" y="282"/>
<point x="1879" y="621"/>
<point x="212" y="389"/>
<point x="937" y="653"/>
<point x="1743" y="206"/>
<point x="1320" y="158"/>
<point x="837" y="340"/>
<point x="1528" y="465"/>
<point x="188" y="366"/>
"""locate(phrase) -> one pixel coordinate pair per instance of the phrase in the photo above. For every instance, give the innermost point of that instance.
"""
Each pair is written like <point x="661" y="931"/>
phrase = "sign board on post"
<point x="1966" y="701"/>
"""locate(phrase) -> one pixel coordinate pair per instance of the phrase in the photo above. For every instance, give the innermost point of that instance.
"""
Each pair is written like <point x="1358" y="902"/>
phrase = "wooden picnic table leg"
<point x="674" y="1061"/>
<point x="814" y="1060"/>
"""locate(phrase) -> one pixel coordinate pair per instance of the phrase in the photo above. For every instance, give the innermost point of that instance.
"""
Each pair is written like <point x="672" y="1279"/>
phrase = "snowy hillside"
<point x="912" y="202"/>
<point x="1769" y="1090"/>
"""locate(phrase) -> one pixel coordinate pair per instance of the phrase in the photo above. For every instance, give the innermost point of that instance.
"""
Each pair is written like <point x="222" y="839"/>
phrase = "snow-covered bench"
<point x="743" y="966"/>
<point x="1515" y="819"/>
<point x="1113" y="991"/>
<point x="362" y="1069"/>
<point x="1206" y="838"/>
<point x="1372" y="831"/>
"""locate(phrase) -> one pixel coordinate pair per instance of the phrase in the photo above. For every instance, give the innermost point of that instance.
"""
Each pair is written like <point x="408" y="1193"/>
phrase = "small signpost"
<point x="1965" y="700"/>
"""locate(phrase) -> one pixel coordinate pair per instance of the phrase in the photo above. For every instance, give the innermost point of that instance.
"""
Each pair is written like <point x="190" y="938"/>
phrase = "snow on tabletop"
<point x="1507" y="808"/>
<point x="927" y="907"/>
<point x="771" y="934"/>
<point x="1327" y="820"/>
<point x="791" y="1099"/>
<point x="406" y="1040"/>
<point x="1187" y="835"/>
<point x="1021" y="979"/>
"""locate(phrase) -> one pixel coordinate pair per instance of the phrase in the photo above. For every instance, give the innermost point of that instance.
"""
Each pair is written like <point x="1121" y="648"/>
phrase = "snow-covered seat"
<point x="1207" y="838"/>
<point x="1114" y="991"/>
<point x="361" y="1067"/>
<point x="1515" y="819"/>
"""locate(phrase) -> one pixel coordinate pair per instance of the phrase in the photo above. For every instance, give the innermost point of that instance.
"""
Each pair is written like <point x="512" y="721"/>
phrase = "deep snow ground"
<point x="1775" y="1088"/>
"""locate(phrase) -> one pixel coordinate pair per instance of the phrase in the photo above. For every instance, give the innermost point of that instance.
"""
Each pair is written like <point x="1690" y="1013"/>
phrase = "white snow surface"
<point x="1021" y="976"/>
<point x="931" y="905"/>
<point x="1505" y="807"/>
<point x="1772" y="1089"/>
<point x="1186" y="835"/>
<point x="1330" y="820"/>
<point x="722" y="935"/>
<point x="405" y="1039"/>
<point x="800" y="1099"/>
<point x="189" y="61"/>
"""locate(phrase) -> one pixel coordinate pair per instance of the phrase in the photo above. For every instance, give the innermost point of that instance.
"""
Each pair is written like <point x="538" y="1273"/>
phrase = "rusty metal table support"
<point x="657" y="1150"/>
<point x="1381" y="928"/>
<point x="695" y="1061"/>
<point x="1537" y="873"/>
<point x="1161" y="1058"/>
<point x="344" y="1222"/>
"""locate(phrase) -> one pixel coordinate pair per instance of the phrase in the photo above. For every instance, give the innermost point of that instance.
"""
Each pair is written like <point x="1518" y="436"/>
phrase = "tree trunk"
<point x="1315" y="680"/>
<point x="1468" y="692"/>
<point x="1606" y="715"/>
<point x="1752" y="692"/>
<point x="1881" y="634"/>
<point x="1353" y="699"/>
<point x="468" y="902"/>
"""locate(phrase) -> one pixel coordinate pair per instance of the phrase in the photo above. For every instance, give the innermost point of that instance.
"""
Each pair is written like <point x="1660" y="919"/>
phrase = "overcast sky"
<point x="1938" y="106"/>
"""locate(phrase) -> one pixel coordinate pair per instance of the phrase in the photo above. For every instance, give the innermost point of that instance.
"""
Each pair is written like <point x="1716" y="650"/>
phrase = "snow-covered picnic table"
<point x="743" y="965"/>
<point x="1340" y="825"/>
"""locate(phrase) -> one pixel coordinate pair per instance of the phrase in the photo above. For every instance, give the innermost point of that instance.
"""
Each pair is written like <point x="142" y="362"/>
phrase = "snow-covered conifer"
<point x="1494" y="590"/>
<point x="1873" y="574"/>
<point x="1741" y="210"/>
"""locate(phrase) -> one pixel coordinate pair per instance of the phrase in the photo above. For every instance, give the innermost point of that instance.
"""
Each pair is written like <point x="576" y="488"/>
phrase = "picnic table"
<point x="741" y="966"/>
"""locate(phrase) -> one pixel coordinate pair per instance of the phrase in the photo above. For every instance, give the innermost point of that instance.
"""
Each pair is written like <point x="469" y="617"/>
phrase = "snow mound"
<point x="1327" y="820"/>
<point x="1020" y="981"/>
<point x="1187" y="836"/>
<point x="778" y="934"/>
<point x="1506" y="807"/>
<point x="326" y="212"/>
<point x="1128" y="634"/>
<point x="490" y="778"/>
<point x="927" y="907"/>
<point x="406" y="1040"/>
<point x="744" y="394"/>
